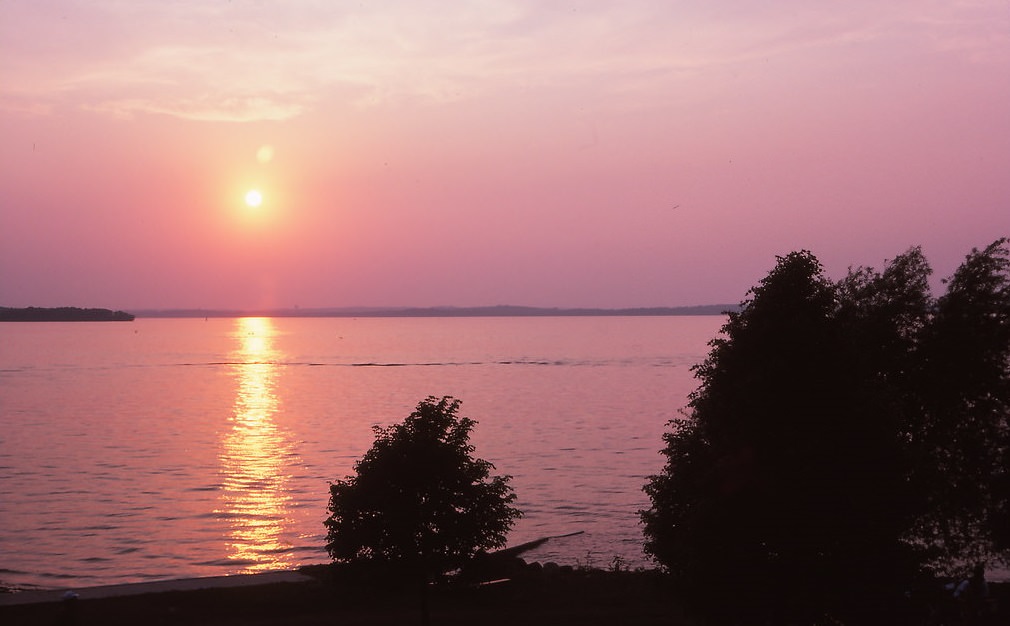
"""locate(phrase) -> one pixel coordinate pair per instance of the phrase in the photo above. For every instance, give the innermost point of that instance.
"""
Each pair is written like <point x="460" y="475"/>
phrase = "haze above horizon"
<point x="595" y="155"/>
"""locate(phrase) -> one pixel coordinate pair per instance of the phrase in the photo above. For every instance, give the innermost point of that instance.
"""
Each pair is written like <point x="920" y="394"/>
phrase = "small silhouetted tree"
<point x="843" y="435"/>
<point x="419" y="502"/>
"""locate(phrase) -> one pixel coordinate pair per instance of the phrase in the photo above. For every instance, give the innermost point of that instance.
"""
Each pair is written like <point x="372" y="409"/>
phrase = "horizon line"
<point x="501" y="310"/>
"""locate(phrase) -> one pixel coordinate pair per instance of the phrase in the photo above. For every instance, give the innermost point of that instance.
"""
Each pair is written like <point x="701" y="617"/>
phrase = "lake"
<point x="168" y="448"/>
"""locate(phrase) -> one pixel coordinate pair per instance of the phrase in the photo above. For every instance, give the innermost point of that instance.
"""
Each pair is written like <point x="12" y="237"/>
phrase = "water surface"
<point x="165" y="448"/>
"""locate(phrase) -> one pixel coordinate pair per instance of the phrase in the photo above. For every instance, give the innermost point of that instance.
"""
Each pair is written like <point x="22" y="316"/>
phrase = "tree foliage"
<point x="965" y="396"/>
<point x="842" y="436"/>
<point x="419" y="501"/>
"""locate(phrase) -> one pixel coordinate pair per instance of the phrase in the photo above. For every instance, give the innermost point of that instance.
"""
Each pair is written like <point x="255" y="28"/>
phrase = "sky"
<point x="525" y="152"/>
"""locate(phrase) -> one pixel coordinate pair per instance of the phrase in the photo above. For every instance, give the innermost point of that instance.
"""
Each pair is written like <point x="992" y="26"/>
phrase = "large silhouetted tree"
<point x="419" y="501"/>
<point x="843" y="435"/>
<point x="963" y="431"/>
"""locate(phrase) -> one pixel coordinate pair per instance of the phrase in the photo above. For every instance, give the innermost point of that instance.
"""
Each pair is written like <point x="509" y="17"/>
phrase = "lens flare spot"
<point x="265" y="154"/>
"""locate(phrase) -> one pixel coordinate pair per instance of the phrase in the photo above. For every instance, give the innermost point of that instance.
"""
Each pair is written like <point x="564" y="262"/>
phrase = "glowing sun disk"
<point x="253" y="198"/>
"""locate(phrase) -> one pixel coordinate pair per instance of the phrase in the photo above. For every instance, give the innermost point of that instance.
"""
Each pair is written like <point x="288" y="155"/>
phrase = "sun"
<point x="253" y="198"/>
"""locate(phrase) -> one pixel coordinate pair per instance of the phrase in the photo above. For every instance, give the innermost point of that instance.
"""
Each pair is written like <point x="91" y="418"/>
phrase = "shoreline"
<point x="442" y="311"/>
<point x="63" y="314"/>
<point x="319" y="594"/>
<point x="42" y="596"/>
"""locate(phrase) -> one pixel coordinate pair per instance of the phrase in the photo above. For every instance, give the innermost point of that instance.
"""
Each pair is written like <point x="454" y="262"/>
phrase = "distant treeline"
<point x="62" y="314"/>
<point x="486" y="311"/>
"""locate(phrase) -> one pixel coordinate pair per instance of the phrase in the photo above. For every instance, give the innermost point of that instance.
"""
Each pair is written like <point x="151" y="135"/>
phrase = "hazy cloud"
<point x="246" y="61"/>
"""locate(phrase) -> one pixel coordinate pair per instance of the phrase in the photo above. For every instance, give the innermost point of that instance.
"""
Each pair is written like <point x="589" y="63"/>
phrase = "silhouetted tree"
<point x="807" y="472"/>
<point x="419" y="502"/>
<point x="963" y="436"/>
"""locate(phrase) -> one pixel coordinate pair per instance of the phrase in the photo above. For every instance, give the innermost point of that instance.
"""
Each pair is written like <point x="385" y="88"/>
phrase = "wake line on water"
<point x="424" y="364"/>
<point x="665" y="363"/>
<point x="391" y="364"/>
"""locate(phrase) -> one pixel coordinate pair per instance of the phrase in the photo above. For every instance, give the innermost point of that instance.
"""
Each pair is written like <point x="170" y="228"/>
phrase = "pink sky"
<point x="597" y="154"/>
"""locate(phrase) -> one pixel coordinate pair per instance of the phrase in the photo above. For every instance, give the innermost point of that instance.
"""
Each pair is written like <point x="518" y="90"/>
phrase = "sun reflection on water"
<point x="255" y="496"/>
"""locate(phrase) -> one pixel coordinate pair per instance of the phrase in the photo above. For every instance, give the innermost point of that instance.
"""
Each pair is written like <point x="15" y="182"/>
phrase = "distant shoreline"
<point x="62" y="314"/>
<point x="488" y="311"/>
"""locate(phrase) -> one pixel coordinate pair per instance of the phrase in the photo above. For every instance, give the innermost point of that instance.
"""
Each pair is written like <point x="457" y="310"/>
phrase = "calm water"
<point x="174" y="448"/>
